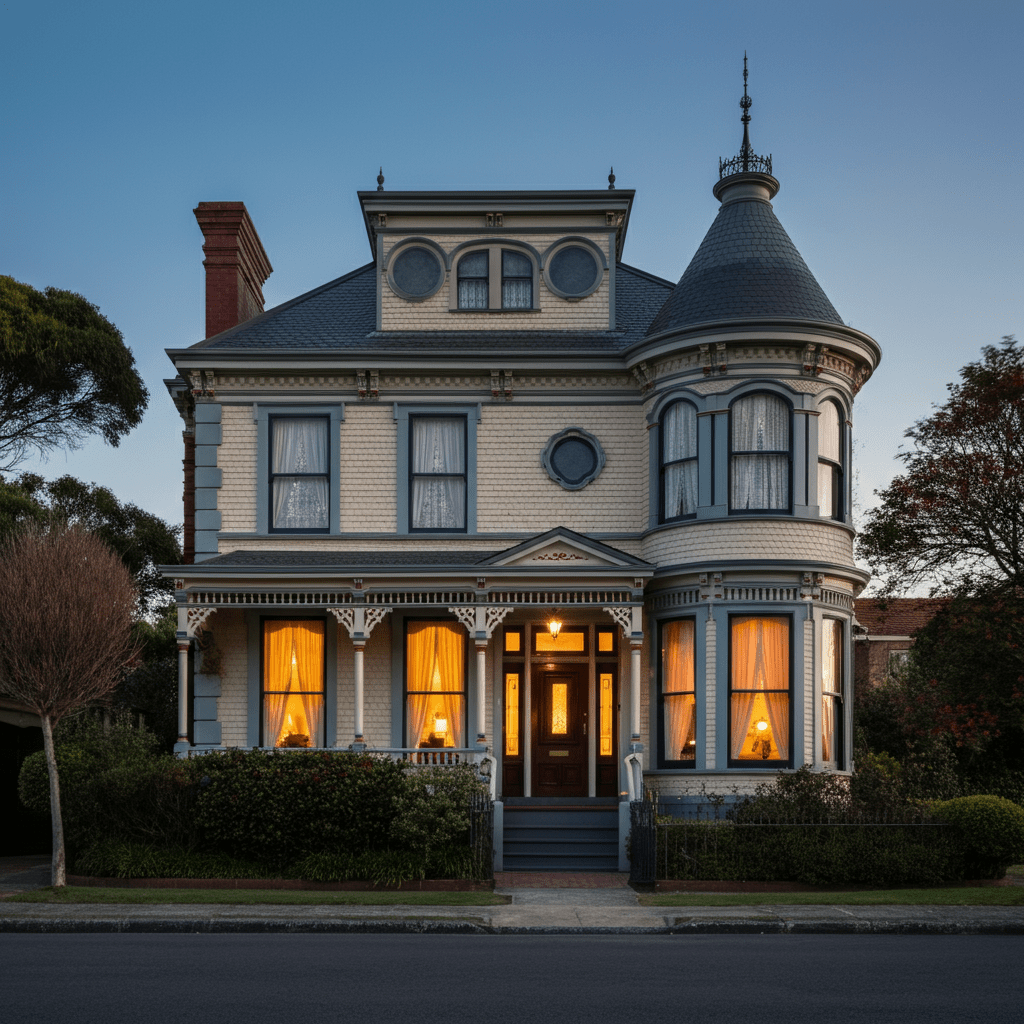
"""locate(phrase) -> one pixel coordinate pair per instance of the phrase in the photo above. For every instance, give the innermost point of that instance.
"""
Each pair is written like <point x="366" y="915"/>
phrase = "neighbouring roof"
<point x="899" y="616"/>
<point x="341" y="316"/>
<point x="746" y="268"/>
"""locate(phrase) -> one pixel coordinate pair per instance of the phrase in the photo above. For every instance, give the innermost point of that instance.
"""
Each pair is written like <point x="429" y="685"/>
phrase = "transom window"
<point x="437" y="473"/>
<point x="830" y="462"/>
<point x="293" y="682"/>
<point x="678" y="461"/>
<point x="678" y="697"/>
<point x="299" y="473"/>
<point x="495" y="278"/>
<point x="435" y="673"/>
<point x="759" y="691"/>
<point x="760" y="454"/>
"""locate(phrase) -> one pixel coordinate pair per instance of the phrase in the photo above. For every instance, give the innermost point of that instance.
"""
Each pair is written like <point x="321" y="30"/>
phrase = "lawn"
<point x="249" y="897"/>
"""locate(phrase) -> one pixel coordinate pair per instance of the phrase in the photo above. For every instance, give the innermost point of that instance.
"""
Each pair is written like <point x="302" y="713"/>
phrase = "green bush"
<point x="432" y="811"/>
<point x="989" y="830"/>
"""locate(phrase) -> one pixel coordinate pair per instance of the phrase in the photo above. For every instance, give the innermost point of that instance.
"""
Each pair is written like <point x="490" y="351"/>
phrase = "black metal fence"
<point x="481" y="835"/>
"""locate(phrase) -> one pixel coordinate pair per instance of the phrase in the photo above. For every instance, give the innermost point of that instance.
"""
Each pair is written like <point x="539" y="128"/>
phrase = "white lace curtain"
<point x="760" y="431"/>
<point x="679" y="441"/>
<point x="828" y="448"/>
<point x="677" y="675"/>
<point x="299" y="446"/>
<point x="473" y="284"/>
<point x="439" y="450"/>
<point x="760" y="687"/>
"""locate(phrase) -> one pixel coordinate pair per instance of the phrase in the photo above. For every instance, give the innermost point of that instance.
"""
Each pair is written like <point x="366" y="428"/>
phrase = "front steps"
<point x="561" y="834"/>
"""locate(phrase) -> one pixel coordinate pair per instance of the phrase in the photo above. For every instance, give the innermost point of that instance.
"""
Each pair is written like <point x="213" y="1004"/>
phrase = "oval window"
<point x="573" y="458"/>
<point x="574" y="271"/>
<point x="417" y="272"/>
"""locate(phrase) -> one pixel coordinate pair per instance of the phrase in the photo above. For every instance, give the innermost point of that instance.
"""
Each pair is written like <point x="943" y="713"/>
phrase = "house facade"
<point x="499" y="496"/>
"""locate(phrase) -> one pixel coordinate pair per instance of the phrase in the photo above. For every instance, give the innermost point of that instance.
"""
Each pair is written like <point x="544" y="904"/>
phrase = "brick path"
<point x="561" y="880"/>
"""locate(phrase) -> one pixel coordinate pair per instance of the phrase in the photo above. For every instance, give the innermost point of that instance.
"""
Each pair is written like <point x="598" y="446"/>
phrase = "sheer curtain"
<point x="450" y="661"/>
<point x="473" y="284"/>
<point x="760" y="436"/>
<point x="830" y="655"/>
<point x="760" y="668"/>
<point x="277" y="666"/>
<point x="434" y="663"/>
<point x="828" y="448"/>
<point x="438" y="447"/>
<point x="309" y="663"/>
<point x="299" y="446"/>
<point x="679" y="441"/>
<point x="516" y="281"/>
<point x="677" y="680"/>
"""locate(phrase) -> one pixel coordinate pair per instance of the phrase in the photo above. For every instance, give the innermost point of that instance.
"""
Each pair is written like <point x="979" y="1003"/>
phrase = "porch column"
<point x="631" y="618"/>
<point x="357" y="667"/>
<point x="481" y="692"/>
<point x="183" y="647"/>
<point x="634" y="689"/>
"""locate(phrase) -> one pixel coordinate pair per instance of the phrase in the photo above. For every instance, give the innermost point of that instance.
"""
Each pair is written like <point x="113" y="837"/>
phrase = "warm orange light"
<point x="440" y="725"/>
<point x="762" y="725"/>
<point x="554" y="627"/>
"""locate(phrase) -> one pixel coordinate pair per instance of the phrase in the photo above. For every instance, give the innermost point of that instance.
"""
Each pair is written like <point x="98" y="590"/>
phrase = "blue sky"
<point x="894" y="129"/>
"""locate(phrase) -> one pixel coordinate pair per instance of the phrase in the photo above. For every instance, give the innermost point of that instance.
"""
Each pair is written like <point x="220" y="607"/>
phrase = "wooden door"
<point x="559" y="714"/>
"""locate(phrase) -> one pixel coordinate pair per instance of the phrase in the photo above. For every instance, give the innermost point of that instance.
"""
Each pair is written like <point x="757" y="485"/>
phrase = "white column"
<point x="183" y="692"/>
<point x="481" y="691"/>
<point x="634" y="691"/>
<point x="359" y="646"/>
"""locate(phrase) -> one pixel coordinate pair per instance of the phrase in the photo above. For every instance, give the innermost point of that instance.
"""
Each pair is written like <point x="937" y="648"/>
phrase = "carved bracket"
<point x="480" y="618"/>
<point x="629" y="618"/>
<point x="368" y="384"/>
<point x="501" y="385"/>
<point x="196" y="618"/>
<point x="360" y="621"/>
<point x="644" y="376"/>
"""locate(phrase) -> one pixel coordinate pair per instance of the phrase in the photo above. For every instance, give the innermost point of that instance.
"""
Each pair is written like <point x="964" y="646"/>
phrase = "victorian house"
<point x="499" y="496"/>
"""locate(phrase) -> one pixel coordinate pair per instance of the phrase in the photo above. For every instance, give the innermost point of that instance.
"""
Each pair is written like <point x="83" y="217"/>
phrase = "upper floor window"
<point x="678" y="461"/>
<point x="437" y="499"/>
<point x="677" y="711"/>
<point x="830" y="462"/>
<point x="299" y="473"/>
<point x="759" y="690"/>
<point x="760" y="454"/>
<point x="495" y="278"/>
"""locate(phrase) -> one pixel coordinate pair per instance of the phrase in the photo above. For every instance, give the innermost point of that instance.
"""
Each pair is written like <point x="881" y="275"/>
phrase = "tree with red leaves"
<point x="67" y="604"/>
<point x="955" y="519"/>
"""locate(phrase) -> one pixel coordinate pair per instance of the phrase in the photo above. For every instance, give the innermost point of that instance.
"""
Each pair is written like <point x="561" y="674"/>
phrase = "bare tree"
<point x="67" y="604"/>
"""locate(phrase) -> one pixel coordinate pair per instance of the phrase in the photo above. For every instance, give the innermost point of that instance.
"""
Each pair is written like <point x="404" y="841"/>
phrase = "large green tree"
<point x="65" y="374"/>
<point x="954" y="520"/>
<point x="142" y="540"/>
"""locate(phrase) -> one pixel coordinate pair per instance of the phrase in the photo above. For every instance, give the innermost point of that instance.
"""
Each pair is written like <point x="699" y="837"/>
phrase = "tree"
<point x="67" y="606"/>
<point x="65" y="373"/>
<point x="142" y="539"/>
<point x="955" y="518"/>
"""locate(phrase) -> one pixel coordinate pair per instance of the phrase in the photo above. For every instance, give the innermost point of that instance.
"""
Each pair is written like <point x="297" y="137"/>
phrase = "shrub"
<point x="989" y="830"/>
<point x="432" y="811"/>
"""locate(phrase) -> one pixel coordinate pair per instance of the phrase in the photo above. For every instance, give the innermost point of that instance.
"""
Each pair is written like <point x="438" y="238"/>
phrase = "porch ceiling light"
<point x="554" y="627"/>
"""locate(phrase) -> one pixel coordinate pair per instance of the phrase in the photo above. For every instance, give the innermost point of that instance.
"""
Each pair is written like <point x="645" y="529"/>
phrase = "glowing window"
<point x="569" y="641"/>
<point x="559" y="709"/>
<point x="293" y="683"/>
<point x="831" y="689"/>
<point x="512" y="714"/>
<point x="435" y="684"/>
<point x="678" y="697"/>
<point x="606" y="714"/>
<point x="513" y="641"/>
<point x="759" y="696"/>
<point x="606" y="641"/>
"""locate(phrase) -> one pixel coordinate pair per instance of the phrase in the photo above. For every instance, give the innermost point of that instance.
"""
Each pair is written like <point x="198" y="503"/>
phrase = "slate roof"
<point x="746" y="268"/>
<point x="341" y="316"/>
<point x="344" y="559"/>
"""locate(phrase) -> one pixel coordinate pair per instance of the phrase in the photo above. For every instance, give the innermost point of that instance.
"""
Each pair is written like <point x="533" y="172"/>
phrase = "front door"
<point x="559" y="726"/>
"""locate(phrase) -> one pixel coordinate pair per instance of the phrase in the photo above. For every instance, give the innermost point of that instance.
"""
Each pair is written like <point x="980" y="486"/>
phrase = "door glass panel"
<point x="512" y="714"/>
<point x="606" y="709"/>
<point x="559" y="709"/>
<point x="569" y="641"/>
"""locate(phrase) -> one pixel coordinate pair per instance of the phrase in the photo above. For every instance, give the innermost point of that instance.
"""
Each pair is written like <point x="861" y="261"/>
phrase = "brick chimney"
<point x="236" y="265"/>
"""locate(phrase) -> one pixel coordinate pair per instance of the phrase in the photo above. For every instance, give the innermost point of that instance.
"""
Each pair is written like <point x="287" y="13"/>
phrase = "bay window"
<point x="831" y="696"/>
<point x="677" y="711"/>
<point x="759" y="691"/>
<point x="830" y="462"/>
<point x="435" y="684"/>
<point x="678" y="461"/>
<point x="759" y="454"/>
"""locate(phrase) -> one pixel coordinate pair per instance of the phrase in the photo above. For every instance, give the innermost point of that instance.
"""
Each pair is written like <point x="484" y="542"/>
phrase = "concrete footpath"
<point x="568" y="904"/>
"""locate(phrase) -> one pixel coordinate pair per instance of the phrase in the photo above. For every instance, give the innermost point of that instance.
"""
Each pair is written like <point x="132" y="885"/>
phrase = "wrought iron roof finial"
<point x="747" y="159"/>
<point x="611" y="177"/>
<point x="745" y="150"/>
<point x="380" y="180"/>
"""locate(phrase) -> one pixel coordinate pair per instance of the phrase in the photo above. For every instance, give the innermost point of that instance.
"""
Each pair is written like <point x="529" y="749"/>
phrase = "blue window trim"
<point x="839" y="501"/>
<point x="262" y="414"/>
<point x="788" y="510"/>
<point x="698" y="710"/>
<point x="403" y="415"/>
<point x="662" y="465"/>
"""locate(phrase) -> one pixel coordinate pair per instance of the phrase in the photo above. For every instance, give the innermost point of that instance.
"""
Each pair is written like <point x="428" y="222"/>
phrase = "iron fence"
<point x="481" y="835"/>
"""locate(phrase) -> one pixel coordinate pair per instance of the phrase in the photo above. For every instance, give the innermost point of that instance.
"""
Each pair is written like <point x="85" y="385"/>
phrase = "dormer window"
<point x="494" y="279"/>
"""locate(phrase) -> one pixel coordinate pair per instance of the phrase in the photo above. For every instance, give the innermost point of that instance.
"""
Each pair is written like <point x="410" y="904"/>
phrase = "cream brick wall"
<point x="369" y="459"/>
<point x="236" y="458"/>
<point x="557" y="314"/>
<point x="749" y="538"/>
<point x="233" y="706"/>
<point x="515" y="493"/>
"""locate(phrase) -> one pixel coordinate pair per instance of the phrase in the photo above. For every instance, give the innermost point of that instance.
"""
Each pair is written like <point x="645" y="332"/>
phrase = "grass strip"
<point x="1003" y="896"/>
<point x="252" y="897"/>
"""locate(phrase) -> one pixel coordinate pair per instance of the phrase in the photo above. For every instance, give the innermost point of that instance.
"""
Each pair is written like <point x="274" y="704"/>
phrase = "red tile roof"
<point x="900" y="616"/>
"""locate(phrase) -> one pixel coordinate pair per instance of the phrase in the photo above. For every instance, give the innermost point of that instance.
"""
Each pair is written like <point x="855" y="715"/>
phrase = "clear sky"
<point x="894" y="129"/>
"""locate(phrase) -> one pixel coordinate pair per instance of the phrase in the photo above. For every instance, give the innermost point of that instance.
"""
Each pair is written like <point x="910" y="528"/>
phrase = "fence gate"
<point x="642" y="842"/>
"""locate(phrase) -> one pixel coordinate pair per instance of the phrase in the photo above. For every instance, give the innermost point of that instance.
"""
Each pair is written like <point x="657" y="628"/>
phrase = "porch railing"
<point x="445" y="757"/>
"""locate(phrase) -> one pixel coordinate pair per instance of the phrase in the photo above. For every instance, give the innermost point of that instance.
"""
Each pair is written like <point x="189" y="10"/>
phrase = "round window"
<point x="574" y="271"/>
<point x="573" y="458"/>
<point x="417" y="272"/>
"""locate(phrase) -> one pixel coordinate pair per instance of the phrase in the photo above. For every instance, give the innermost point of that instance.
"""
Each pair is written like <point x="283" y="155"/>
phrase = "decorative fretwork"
<point x="465" y="615"/>
<point x="197" y="618"/>
<point x="360" y="620"/>
<point x="494" y="616"/>
<point x="623" y="616"/>
<point x="747" y="161"/>
<point x="760" y="593"/>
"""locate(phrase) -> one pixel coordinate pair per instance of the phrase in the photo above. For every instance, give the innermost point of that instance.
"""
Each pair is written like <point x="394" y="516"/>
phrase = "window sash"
<point x="438" y="486"/>
<point x="760" y="690"/>
<point x="300" y="473"/>
<point x="760" y="454"/>
<point x="678" y="693"/>
<point x="678" y="461"/>
<point x="293" y="691"/>
<point x="435" y="684"/>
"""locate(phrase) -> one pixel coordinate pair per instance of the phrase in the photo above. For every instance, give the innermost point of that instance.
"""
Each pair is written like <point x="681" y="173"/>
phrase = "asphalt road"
<point x="420" y="979"/>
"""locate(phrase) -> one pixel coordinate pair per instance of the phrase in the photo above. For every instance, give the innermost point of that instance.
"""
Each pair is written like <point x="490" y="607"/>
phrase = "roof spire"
<point x="611" y="177"/>
<point x="380" y="180"/>
<point x="747" y="159"/>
